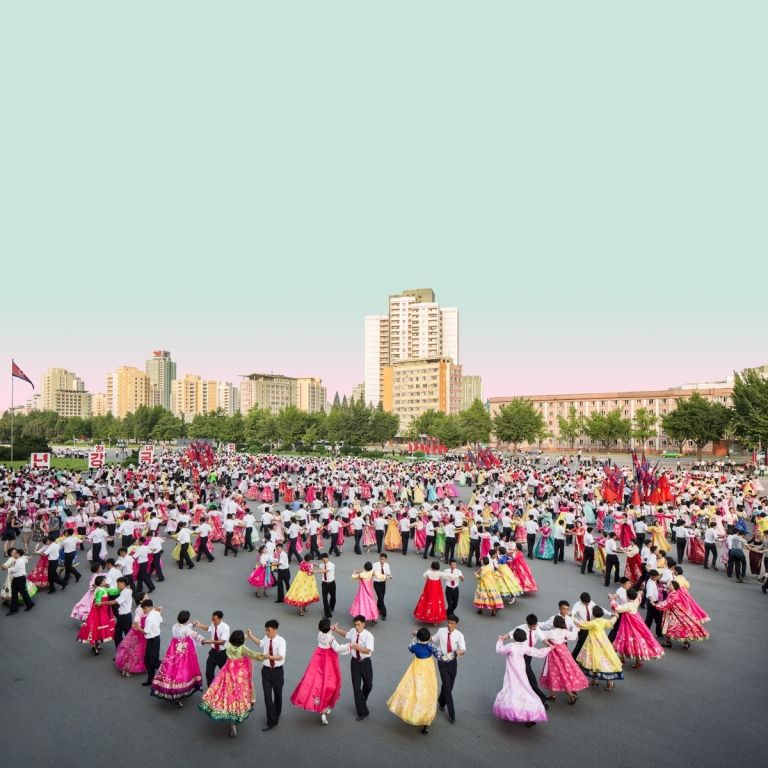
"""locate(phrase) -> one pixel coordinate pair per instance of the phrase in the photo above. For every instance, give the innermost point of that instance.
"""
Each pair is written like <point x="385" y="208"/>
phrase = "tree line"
<point x="695" y="420"/>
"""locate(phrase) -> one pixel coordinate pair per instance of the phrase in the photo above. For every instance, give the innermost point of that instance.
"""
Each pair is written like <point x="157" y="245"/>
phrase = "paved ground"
<point x="705" y="707"/>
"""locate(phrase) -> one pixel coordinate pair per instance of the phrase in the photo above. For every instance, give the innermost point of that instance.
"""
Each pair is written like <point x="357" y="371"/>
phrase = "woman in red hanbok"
<point x="695" y="551"/>
<point x="99" y="627"/>
<point x="431" y="605"/>
<point x="320" y="686"/>
<point x="520" y="568"/>
<point x="578" y="541"/>
<point x="634" y="568"/>
<point x="679" y="623"/>
<point x="561" y="672"/>
<point x="633" y="638"/>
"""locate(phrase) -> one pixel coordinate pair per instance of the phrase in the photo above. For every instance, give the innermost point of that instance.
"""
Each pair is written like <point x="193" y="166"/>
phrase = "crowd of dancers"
<point x="279" y="510"/>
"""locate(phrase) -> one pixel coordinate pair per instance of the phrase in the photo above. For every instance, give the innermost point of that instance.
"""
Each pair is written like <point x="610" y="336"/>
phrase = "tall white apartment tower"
<point x="414" y="328"/>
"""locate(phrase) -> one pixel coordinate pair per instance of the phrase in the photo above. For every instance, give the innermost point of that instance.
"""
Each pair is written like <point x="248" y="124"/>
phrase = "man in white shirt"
<point x="531" y="527"/>
<point x="217" y="656"/>
<point x="327" y="571"/>
<point x="563" y="610"/>
<point x="69" y="547"/>
<point x="250" y="523"/>
<point x="123" y="609"/>
<point x="184" y="537"/>
<point x="52" y="551"/>
<point x="452" y="645"/>
<point x="582" y="611"/>
<point x="588" y="558"/>
<point x="381" y="574"/>
<point x="152" y="624"/>
<point x="474" y="544"/>
<point x="405" y="525"/>
<point x="611" y="559"/>
<point x="141" y="555"/>
<point x="558" y="536"/>
<point x="125" y="529"/>
<point x="283" y="573"/>
<point x="379" y="523"/>
<point x="710" y="546"/>
<point x="450" y="540"/>
<point x="155" y="545"/>
<point x="17" y="570"/>
<point x="652" y="614"/>
<point x="452" y="577"/>
<point x="357" y="530"/>
<point x="361" y="669"/>
<point x="333" y="529"/>
<point x="98" y="537"/>
<point x="313" y="528"/>
<point x="272" y="674"/>
<point x="203" y="532"/>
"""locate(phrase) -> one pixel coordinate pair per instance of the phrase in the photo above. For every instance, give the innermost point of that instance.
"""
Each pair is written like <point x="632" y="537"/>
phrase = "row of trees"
<point x="353" y="424"/>
<point x="694" y="420"/>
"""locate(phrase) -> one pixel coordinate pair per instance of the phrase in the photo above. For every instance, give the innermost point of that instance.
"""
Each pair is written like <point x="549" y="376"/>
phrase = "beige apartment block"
<point x="659" y="402"/>
<point x="310" y="394"/>
<point x="55" y="380"/>
<point x="127" y="389"/>
<point x="73" y="402"/>
<point x="99" y="404"/>
<point x="411" y="387"/>
<point x="414" y="328"/>
<point x="192" y="395"/>
<point x="269" y="391"/>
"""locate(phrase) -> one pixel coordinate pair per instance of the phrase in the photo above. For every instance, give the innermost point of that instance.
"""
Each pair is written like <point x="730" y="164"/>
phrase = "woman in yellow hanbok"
<point x="508" y="584"/>
<point x="418" y="495"/>
<point x="462" y="543"/>
<point x="303" y="591"/>
<point x="392" y="538"/>
<point x="658" y="537"/>
<point x="597" y="658"/>
<point x="487" y="593"/>
<point x="415" y="698"/>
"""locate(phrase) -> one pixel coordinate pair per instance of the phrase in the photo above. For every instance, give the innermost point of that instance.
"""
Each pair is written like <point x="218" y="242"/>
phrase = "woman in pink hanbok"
<point x="678" y="622"/>
<point x="179" y="673"/>
<point x="560" y="671"/>
<point x="319" y="689"/>
<point x="263" y="577"/>
<point x="83" y="606"/>
<point x="516" y="701"/>
<point x="129" y="657"/>
<point x="365" y="603"/>
<point x="633" y="638"/>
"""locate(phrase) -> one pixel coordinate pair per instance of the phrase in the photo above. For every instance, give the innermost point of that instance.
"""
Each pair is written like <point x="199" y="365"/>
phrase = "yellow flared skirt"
<point x="415" y="698"/>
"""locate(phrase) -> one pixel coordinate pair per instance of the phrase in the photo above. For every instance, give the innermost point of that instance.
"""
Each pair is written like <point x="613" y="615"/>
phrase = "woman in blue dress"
<point x="545" y="547"/>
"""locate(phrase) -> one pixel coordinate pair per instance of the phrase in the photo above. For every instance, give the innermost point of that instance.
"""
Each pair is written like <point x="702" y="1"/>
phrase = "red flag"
<point x="17" y="373"/>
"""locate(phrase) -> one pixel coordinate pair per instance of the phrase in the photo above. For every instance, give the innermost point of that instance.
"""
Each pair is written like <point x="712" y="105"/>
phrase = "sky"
<point x="242" y="183"/>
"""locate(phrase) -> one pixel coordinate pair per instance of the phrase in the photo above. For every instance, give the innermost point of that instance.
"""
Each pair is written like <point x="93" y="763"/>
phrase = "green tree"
<point x="314" y="427"/>
<point x="425" y="424"/>
<point x="167" y="428"/>
<point x="750" y="408"/>
<point x="291" y="423"/>
<point x="644" y="425"/>
<point x="260" y="426"/>
<point x="609" y="429"/>
<point x="475" y="424"/>
<point x="697" y="420"/>
<point x="518" y="422"/>
<point x="382" y="426"/>
<point x="571" y="427"/>
<point x="448" y="430"/>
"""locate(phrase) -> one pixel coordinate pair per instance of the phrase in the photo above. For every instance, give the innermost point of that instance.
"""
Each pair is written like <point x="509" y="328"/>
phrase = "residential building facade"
<point x="161" y="371"/>
<point x="127" y="389"/>
<point x="411" y="387"/>
<point x="267" y="390"/>
<point x="472" y="389"/>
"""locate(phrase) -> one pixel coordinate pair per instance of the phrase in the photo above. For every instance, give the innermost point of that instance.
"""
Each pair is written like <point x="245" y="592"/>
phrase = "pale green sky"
<point x="241" y="183"/>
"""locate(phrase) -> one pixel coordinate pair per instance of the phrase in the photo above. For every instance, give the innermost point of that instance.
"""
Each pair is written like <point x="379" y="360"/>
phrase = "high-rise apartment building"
<point x="358" y="393"/>
<point x="227" y="397"/>
<point x="411" y="387"/>
<point x="127" y="389"/>
<point x="99" y="404"/>
<point x="64" y="393"/>
<point x="161" y="371"/>
<point x="192" y="395"/>
<point x="472" y="389"/>
<point x="267" y="390"/>
<point x="310" y="394"/>
<point x="414" y="328"/>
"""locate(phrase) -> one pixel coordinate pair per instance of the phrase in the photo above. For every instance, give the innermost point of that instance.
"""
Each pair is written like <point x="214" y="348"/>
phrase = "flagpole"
<point x="13" y="413"/>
